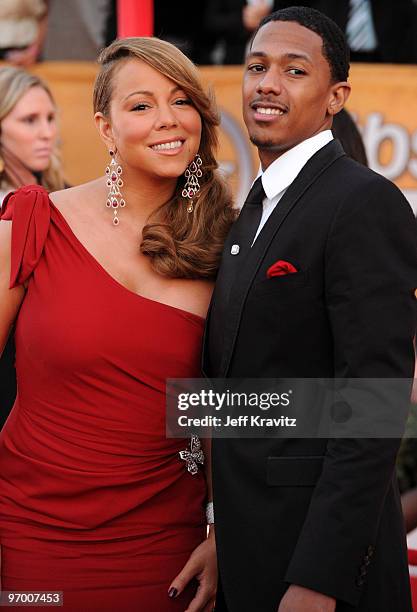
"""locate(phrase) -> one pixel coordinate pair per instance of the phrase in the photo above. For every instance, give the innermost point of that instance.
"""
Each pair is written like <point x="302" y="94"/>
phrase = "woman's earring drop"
<point x="114" y="182"/>
<point x="192" y="185"/>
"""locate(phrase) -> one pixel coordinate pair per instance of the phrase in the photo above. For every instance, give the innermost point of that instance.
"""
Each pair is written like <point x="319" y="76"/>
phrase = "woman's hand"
<point x="202" y="565"/>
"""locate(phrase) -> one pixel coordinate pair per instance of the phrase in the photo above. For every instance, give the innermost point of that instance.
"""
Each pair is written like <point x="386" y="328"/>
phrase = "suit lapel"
<point x="311" y="171"/>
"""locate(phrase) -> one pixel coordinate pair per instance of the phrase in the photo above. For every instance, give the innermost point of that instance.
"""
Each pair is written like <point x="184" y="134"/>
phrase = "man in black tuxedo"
<point x="310" y="525"/>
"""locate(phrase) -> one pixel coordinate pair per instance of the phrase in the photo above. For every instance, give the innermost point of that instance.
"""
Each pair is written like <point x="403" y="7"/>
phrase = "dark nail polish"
<point x="172" y="592"/>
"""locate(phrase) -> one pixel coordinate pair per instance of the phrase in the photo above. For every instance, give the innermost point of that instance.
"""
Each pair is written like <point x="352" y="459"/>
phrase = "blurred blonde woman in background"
<point x="28" y="140"/>
<point x="28" y="133"/>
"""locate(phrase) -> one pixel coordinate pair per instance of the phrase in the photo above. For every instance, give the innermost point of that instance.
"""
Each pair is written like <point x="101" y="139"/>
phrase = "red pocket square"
<point x="280" y="268"/>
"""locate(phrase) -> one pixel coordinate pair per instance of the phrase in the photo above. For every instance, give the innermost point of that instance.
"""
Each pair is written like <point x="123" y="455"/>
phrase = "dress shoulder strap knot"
<point x="29" y="210"/>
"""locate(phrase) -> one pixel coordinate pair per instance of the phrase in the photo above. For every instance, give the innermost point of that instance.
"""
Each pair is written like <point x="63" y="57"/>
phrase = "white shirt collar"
<point x="283" y="171"/>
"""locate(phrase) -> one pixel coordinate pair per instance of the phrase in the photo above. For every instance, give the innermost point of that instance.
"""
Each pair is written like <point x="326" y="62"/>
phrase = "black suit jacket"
<point x="395" y="23"/>
<point x="349" y="311"/>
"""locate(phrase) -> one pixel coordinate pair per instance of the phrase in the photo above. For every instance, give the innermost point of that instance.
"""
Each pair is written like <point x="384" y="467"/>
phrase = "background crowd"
<point x="209" y="31"/>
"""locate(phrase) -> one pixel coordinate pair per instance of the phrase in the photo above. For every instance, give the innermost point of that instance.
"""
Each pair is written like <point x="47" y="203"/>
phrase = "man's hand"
<point x="252" y="14"/>
<point x="299" y="599"/>
<point x="24" y="57"/>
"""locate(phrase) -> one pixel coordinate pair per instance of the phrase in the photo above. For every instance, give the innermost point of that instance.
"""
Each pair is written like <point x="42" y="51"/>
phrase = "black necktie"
<point x="236" y="249"/>
<point x="244" y="230"/>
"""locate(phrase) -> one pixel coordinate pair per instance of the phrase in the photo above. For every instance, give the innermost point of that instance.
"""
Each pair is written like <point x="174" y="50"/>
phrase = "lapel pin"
<point x="235" y="249"/>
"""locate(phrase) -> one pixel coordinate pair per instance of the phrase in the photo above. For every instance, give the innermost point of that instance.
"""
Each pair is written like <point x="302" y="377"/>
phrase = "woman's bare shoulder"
<point x="193" y="295"/>
<point x="204" y="288"/>
<point x="78" y="197"/>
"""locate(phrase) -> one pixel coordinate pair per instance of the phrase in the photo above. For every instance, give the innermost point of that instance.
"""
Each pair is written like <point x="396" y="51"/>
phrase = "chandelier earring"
<point x="114" y="182"/>
<point x="191" y="189"/>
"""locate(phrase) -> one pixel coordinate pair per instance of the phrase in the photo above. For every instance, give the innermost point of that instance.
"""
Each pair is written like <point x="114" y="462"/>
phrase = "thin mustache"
<point x="269" y="100"/>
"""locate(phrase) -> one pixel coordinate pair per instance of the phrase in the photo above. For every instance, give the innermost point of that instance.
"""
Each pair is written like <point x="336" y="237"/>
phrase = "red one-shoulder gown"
<point x="94" y="499"/>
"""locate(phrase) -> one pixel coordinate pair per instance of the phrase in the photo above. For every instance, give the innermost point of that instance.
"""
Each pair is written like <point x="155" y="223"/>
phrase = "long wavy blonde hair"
<point x="179" y="243"/>
<point x="14" y="83"/>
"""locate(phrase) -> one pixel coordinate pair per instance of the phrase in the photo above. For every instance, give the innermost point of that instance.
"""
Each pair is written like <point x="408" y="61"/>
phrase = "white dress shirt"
<point x="284" y="170"/>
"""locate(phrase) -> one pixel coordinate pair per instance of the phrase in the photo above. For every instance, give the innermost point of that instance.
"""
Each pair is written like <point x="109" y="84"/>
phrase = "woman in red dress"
<point x="109" y="284"/>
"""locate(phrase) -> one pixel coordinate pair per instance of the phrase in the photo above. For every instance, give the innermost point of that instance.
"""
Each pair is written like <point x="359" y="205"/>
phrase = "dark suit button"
<point x="341" y="412"/>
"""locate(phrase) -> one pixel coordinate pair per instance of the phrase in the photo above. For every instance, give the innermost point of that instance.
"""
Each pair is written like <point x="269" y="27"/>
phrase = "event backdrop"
<point x="383" y="101"/>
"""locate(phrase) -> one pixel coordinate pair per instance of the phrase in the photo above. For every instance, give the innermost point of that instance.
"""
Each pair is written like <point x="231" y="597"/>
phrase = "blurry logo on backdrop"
<point x="390" y="148"/>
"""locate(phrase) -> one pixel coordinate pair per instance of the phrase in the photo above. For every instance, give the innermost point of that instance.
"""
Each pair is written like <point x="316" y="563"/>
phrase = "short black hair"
<point x="335" y="47"/>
